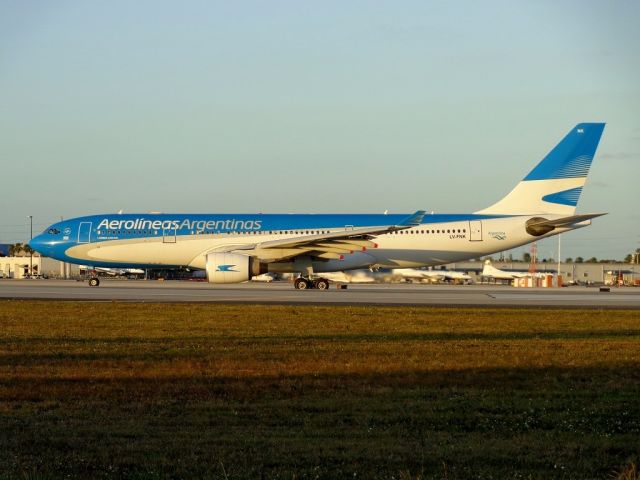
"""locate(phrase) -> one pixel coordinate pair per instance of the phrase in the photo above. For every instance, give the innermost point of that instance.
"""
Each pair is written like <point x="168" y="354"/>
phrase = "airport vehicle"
<point x="34" y="276"/>
<point x="234" y="248"/>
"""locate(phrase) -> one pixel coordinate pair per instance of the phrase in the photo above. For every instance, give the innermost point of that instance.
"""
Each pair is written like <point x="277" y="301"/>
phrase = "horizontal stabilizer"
<point x="537" y="226"/>
<point x="565" y="221"/>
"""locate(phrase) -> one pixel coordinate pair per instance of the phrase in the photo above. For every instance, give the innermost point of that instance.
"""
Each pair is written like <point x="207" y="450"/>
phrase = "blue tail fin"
<point x="555" y="184"/>
<point x="572" y="157"/>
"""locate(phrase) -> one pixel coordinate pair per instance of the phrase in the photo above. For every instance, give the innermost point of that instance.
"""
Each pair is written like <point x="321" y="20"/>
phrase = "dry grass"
<point x="157" y="390"/>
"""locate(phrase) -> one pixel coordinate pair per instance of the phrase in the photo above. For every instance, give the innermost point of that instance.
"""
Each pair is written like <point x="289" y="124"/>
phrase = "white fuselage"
<point x="427" y="244"/>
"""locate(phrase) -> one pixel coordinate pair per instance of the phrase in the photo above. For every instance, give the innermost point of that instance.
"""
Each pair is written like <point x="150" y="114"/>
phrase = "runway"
<point x="283" y="293"/>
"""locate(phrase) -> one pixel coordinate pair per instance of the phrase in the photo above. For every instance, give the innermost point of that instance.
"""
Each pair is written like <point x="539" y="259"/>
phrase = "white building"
<point x="18" y="267"/>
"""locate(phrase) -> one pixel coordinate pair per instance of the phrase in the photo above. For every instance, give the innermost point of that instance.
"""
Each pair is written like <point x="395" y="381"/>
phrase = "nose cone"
<point x="40" y="244"/>
<point x="35" y="243"/>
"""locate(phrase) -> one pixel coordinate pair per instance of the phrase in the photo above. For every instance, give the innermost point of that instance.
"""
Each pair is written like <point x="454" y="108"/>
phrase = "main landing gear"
<point x="306" y="281"/>
<point x="94" y="282"/>
<point x="302" y="283"/>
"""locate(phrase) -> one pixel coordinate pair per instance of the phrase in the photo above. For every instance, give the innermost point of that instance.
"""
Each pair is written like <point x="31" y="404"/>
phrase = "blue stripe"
<point x="223" y="223"/>
<point x="566" y="197"/>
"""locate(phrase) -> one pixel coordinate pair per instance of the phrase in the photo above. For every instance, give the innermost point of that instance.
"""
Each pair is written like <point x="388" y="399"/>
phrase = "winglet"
<point x="413" y="220"/>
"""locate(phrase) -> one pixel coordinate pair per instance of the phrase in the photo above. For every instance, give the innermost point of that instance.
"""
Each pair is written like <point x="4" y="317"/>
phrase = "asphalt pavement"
<point x="355" y="294"/>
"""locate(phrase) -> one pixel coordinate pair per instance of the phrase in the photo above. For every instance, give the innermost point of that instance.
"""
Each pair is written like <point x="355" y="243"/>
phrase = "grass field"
<point x="105" y="390"/>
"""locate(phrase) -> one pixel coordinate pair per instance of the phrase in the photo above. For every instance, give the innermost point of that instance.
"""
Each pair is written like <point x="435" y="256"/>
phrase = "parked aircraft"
<point x="264" y="277"/>
<point x="234" y="248"/>
<point x="351" y="276"/>
<point x="430" y="276"/>
<point x="489" y="271"/>
<point x="116" y="272"/>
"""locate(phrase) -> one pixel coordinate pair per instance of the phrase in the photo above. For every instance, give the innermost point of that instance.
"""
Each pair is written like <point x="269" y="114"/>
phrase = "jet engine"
<point x="232" y="267"/>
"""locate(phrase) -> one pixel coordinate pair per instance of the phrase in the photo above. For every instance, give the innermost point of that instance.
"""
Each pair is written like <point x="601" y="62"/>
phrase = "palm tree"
<point x="15" y="249"/>
<point x="20" y="249"/>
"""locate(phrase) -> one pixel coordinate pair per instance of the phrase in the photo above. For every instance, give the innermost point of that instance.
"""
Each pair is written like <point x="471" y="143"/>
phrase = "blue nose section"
<point x="40" y="245"/>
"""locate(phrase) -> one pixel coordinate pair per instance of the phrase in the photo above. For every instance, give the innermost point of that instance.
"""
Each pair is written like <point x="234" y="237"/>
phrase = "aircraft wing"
<point x="328" y="245"/>
<point x="455" y="275"/>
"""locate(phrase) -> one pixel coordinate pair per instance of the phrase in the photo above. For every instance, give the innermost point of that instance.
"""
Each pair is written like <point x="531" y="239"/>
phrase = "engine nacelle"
<point x="232" y="267"/>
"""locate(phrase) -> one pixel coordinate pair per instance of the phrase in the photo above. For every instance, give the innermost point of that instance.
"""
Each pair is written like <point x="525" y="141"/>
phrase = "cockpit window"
<point x="53" y="231"/>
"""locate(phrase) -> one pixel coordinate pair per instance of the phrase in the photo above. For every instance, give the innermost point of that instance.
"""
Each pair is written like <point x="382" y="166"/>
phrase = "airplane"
<point x="351" y="276"/>
<point x="430" y="276"/>
<point x="233" y="248"/>
<point x="397" y="274"/>
<point x="264" y="277"/>
<point x="490" y="271"/>
<point x="114" y="271"/>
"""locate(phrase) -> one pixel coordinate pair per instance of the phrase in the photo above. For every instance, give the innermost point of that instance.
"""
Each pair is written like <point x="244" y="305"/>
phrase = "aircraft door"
<point x="169" y="235"/>
<point x="475" y="230"/>
<point x="84" y="232"/>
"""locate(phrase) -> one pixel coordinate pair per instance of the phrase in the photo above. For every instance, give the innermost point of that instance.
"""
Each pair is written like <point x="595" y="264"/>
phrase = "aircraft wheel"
<point x="321" y="284"/>
<point x="301" y="284"/>
<point x="94" y="282"/>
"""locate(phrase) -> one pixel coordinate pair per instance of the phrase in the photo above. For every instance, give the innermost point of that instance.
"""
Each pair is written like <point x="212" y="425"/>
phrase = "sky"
<point x="333" y="106"/>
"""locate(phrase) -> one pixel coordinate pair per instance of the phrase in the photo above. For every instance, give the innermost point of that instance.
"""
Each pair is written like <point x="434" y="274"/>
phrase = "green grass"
<point x="106" y="390"/>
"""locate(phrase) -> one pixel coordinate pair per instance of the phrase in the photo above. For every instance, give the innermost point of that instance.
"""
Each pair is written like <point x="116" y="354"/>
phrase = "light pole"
<point x="30" y="249"/>
<point x="558" y="275"/>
